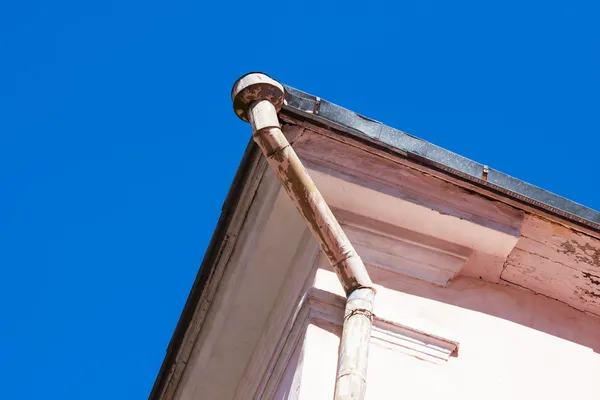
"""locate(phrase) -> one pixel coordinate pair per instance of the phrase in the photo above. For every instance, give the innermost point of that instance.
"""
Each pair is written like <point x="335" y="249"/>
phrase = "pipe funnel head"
<point x="254" y="87"/>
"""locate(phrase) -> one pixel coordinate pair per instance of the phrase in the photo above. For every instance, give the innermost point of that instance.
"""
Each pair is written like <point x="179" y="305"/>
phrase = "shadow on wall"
<point x="509" y="303"/>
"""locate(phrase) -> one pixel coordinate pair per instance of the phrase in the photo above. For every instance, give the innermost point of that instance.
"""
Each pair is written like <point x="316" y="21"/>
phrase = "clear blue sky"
<point x="118" y="144"/>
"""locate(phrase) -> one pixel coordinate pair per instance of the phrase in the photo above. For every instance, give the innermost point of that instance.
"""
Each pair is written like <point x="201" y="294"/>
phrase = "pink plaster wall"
<point x="514" y="344"/>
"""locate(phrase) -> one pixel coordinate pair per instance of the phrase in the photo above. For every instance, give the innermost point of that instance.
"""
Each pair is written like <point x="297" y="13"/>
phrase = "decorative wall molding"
<point x="286" y="310"/>
<point x="325" y="309"/>
<point x="265" y="272"/>
<point x="289" y="344"/>
<point x="436" y="234"/>
<point x="419" y="344"/>
<point x="255" y="186"/>
<point x="394" y="334"/>
<point x="404" y="252"/>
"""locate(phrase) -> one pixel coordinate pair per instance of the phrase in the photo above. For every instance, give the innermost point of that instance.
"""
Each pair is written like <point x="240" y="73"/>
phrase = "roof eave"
<point x="206" y="270"/>
<point x="303" y="106"/>
<point x="330" y="115"/>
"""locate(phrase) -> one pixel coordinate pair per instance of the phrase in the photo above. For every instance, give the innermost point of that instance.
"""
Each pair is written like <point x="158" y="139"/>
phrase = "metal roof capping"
<point x="344" y="120"/>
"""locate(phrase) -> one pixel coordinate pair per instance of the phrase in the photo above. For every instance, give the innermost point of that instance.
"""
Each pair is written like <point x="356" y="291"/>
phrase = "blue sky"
<point x="118" y="144"/>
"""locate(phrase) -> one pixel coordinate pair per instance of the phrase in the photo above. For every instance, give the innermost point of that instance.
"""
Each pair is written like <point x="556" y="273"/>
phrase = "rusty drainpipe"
<point x="256" y="99"/>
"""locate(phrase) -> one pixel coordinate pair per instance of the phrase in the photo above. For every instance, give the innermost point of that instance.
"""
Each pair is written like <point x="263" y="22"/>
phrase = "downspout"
<point x="256" y="99"/>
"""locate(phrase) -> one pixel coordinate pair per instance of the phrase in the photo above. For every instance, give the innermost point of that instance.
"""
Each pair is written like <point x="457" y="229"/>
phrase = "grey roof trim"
<point x="329" y="114"/>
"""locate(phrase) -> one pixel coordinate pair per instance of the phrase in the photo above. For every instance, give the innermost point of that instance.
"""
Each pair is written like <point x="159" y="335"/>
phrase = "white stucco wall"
<point x="514" y="344"/>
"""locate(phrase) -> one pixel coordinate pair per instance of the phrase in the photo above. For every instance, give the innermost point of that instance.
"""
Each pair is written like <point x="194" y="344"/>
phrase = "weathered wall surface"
<point x="557" y="262"/>
<point x="550" y="257"/>
<point x="513" y="344"/>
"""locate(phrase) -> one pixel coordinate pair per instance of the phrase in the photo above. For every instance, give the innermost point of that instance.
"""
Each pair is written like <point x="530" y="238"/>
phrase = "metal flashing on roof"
<point x="334" y="116"/>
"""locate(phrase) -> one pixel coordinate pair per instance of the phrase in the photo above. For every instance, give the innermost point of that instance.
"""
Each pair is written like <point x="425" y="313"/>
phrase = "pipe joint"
<point x="352" y="273"/>
<point x="352" y="374"/>
<point x="262" y="115"/>
<point x="361" y="312"/>
<point x="255" y="87"/>
<point x="270" y="141"/>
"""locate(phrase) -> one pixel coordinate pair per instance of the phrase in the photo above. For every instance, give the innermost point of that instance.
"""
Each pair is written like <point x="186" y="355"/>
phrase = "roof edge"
<point x="205" y="271"/>
<point x="331" y="115"/>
